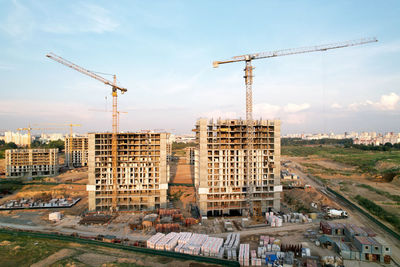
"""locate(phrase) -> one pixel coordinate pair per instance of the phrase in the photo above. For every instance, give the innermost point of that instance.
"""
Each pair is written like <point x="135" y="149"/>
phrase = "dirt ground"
<point x="181" y="173"/>
<point x="350" y="182"/>
<point x="348" y="185"/>
<point x="335" y="178"/>
<point x="59" y="255"/>
<point x="308" y="196"/>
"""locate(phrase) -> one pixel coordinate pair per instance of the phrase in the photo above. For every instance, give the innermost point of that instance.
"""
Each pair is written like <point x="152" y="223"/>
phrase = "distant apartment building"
<point x="220" y="167"/>
<point x="169" y="148"/>
<point x="190" y="154"/>
<point x="142" y="171"/>
<point x="17" y="138"/>
<point x="76" y="151"/>
<point x="52" y="137"/>
<point x="31" y="162"/>
<point x="187" y="138"/>
<point x="363" y="138"/>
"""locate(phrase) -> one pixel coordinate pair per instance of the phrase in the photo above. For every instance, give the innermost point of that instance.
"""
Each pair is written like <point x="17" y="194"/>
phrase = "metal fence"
<point x="369" y="216"/>
<point x="170" y="254"/>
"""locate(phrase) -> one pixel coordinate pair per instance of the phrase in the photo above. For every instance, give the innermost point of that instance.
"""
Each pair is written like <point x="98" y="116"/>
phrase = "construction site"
<point x="76" y="151"/>
<point x="31" y="163"/>
<point x="137" y="191"/>
<point x="140" y="181"/>
<point x="221" y="163"/>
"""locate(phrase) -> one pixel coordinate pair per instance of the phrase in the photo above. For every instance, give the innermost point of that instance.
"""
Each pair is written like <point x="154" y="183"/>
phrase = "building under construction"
<point x="142" y="171"/>
<point x="190" y="154"/>
<point x="31" y="162"/>
<point x="76" y="151"/>
<point x="220" y="167"/>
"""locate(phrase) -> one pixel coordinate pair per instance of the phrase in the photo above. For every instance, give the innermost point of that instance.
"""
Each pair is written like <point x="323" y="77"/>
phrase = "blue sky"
<point x="162" y="52"/>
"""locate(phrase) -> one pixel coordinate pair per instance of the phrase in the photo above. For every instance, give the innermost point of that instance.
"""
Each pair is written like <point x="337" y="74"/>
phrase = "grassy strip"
<point x="325" y="170"/>
<point x="24" y="251"/>
<point x="378" y="211"/>
<point x="380" y="192"/>
<point x="364" y="160"/>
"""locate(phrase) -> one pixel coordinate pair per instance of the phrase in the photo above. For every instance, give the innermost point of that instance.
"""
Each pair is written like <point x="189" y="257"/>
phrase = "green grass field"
<point x="366" y="161"/>
<point x="24" y="251"/>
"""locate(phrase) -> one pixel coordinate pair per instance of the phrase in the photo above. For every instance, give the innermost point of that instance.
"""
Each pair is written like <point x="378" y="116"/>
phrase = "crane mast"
<point x="249" y="96"/>
<point x="115" y="126"/>
<point x="29" y="130"/>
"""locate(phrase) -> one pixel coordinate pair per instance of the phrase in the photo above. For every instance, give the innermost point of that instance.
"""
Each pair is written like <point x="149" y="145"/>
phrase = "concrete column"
<point x="91" y="186"/>
<point x="203" y="166"/>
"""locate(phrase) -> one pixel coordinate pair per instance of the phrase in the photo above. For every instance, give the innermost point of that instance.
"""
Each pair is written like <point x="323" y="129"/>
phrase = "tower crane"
<point x="118" y="114"/>
<point x="115" y="126"/>
<point x="29" y="129"/>
<point x="248" y="76"/>
<point x="70" y="125"/>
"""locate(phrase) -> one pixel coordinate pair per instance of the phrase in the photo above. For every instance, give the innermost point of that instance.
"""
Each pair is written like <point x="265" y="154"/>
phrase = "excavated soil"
<point x="309" y="195"/>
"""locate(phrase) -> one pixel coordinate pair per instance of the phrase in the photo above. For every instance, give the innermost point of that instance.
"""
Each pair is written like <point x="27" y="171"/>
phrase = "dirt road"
<point x="271" y="230"/>
<point x="354" y="216"/>
<point x="181" y="173"/>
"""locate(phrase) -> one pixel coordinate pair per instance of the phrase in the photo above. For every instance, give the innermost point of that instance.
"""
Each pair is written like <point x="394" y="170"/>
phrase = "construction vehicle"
<point x="115" y="126"/>
<point x="334" y="213"/>
<point x="249" y="95"/>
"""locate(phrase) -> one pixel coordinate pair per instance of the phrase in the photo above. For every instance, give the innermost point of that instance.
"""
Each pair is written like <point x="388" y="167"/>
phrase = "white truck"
<point x="334" y="213"/>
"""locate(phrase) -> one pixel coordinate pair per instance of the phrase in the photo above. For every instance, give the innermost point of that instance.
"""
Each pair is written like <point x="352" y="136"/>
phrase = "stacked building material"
<point x="152" y="241"/>
<point x="272" y="220"/>
<point x="221" y="253"/>
<point x="167" y="227"/>
<point x="193" y="245"/>
<point x="254" y="260"/>
<point x="244" y="254"/>
<point x="268" y="245"/>
<point x="212" y="246"/>
<point x="160" y="245"/>
<point x="231" y="245"/>
<point x="172" y="242"/>
<point x="184" y="237"/>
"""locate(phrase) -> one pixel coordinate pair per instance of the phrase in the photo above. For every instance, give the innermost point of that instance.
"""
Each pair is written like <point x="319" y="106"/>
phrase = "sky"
<point x="162" y="52"/>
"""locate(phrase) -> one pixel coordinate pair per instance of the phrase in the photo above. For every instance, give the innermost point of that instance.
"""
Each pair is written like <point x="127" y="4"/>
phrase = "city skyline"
<point x="163" y="53"/>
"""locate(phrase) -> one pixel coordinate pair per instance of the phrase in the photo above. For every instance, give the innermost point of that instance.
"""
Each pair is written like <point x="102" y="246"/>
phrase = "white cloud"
<point x="19" y="23"/>
<point x="295" y="118"/>
<point x="44" y="110"/>
<point x="293" y="108"/>
<point x="386" y="102"/>
<point x="85" y="18"/>
<point x="336" y="106"/>
<point x="23" y="21"/>
<point x="216" y="114"/>
<point x="266" y="110"/>
<point x="290" y="113"/>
